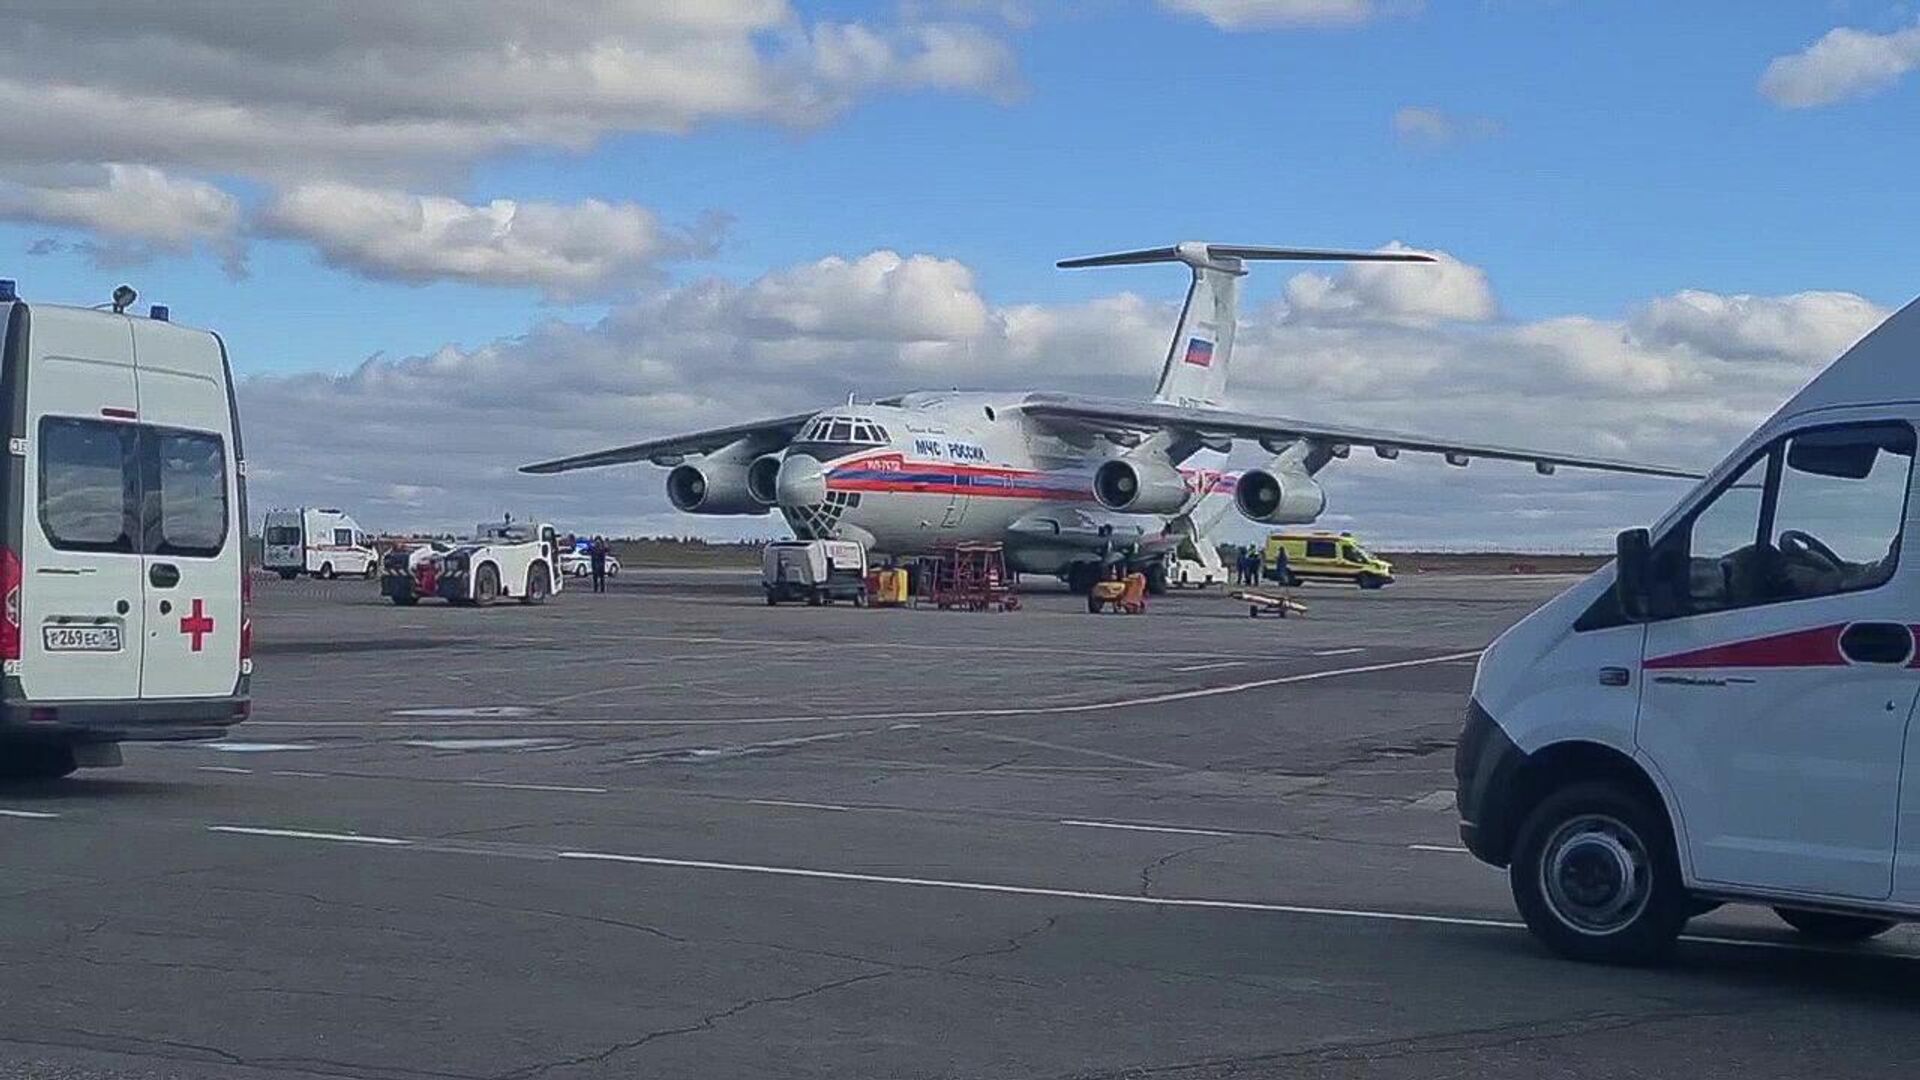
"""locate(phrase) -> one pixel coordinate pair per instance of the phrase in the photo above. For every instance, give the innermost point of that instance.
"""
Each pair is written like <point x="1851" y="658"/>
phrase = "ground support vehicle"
<point x="510" y="562"/>
<point x="816" y="571"/>
<point x="1127" y="596"/>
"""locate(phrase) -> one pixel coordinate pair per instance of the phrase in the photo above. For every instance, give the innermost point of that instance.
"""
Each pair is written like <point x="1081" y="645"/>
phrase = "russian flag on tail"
<point x="1199" y="352"/>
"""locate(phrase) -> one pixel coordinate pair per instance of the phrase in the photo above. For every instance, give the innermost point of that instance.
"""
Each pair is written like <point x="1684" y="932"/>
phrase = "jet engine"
<point x="1279" y="497"/>
<point x="1140" y="487"/>
<point x="712" y="487"/>
<point x="763" y="479"/>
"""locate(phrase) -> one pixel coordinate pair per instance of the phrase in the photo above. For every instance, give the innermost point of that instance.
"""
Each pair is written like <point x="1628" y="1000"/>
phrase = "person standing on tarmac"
<point x="597" y="562"/>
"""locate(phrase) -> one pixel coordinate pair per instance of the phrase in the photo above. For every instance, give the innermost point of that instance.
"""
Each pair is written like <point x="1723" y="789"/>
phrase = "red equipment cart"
<point x="968" y="576"/>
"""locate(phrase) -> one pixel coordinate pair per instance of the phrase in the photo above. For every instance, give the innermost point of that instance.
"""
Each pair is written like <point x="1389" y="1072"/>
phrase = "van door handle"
<point x="1877" y="643"/>
<point x="1615" y="676"/>
<point x="163" y="575"/>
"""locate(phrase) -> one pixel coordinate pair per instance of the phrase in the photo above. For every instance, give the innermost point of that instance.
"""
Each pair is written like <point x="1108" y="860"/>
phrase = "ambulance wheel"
<point x="326" y="571"/>
<point x="536" y="585"/>
<point x="1595" y="876"/>
<point x="36" y="761"/>
<point x="486" y="585"/>
<point x="288" y="575"/>
<point x="772" y="600"/>
<point x="405" y="601"/>
<point x="1838" y="929"/>
<point x="814" y="599"/>
<point x="1370" y="581"/>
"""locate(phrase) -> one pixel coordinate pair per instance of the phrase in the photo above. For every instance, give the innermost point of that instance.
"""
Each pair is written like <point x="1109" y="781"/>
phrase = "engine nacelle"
<point x="1140" y="487"/>
<point x="1279" y="498"/>
<point x="763" y="479"/>
<point x="712" y="487"/>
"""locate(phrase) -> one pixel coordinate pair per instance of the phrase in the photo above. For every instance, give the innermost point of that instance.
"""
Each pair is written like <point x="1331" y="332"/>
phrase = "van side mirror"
<point x="1632" y="571"/>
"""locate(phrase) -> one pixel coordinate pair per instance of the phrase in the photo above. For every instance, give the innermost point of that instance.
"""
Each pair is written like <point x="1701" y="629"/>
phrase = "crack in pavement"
<point x="568" y="916"/>
<point x="705" y="1023"/>
<point x="1496" y="1037"/>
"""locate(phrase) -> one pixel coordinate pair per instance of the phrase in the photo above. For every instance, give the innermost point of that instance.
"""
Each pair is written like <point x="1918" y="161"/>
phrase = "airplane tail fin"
<point x="1197" y="362"/>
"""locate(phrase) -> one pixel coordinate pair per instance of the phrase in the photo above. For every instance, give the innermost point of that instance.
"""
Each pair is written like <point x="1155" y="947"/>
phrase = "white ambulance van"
<point x="122" y="511"/>
<point x="1726" y="712"/>
<point x="321" y="541"/>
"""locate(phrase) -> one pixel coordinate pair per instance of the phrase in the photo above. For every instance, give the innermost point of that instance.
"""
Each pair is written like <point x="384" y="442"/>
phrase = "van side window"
<point x="343" y="537"/>
<point x="1841" y="500"/>
<point x="85" y="494"/>
<point x="190" y="475"/>
<point x="1320" y="549"/>
<point x="1817" y="514"/>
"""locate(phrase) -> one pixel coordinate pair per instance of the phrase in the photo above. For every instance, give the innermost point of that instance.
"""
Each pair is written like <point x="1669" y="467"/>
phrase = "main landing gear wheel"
<point x="1595" y="876"/>
<point x="1837" y="929"/>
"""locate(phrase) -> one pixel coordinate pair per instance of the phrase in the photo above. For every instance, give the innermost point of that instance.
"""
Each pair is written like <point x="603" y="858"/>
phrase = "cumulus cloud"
<point x="1272" y="14"/>
<point x="1677" y="379"/>
<point x="566" y="250"/>
<point x="1845" y="63"/>
<point x="1447" y="290"/>
<point x="355" y="90"/>
<point x="1424" y="125"/>
<point x="137" y="211"/>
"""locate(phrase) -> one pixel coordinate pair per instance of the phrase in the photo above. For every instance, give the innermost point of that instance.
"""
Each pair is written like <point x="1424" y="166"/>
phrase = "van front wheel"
<point x="1838" y="929"/>
<point x="1595" y="876"/>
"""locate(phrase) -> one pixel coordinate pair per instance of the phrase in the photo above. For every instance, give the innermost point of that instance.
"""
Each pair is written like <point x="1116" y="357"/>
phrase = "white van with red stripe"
<point x="121" y="532"/>
<point x="1726" y="712"/>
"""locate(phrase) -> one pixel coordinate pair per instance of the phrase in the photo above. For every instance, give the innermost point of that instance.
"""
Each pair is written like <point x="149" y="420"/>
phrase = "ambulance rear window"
<point x="284" y="536"/>
<point x="192" y="471"/>
<point x="84" y="494"/>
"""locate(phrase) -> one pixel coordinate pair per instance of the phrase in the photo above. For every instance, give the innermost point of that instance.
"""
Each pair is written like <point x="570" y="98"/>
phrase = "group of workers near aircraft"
<point x="1248" y="563"/>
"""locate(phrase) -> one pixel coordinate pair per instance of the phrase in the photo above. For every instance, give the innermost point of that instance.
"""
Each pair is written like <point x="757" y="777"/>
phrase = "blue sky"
<point x="1589" y="158"/>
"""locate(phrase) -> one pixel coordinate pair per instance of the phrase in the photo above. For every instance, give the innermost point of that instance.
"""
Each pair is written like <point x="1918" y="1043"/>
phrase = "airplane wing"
<point x="774" y="433"/>
<point x="1218" y="426"/>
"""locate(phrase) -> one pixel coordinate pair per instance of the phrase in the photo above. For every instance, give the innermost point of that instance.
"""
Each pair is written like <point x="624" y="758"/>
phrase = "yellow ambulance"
<point x="1323" y="556"/>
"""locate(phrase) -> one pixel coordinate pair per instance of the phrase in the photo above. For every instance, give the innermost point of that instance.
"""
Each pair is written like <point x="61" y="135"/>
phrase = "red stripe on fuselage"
<point x="1818" y="647"/>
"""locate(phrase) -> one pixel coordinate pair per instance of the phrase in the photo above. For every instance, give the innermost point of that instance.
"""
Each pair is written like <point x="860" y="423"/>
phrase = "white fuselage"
<point x="928" y="468"/>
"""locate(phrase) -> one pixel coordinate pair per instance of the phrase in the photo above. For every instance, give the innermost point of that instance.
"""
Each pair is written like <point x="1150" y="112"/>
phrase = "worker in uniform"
<point x="597" y="562"/>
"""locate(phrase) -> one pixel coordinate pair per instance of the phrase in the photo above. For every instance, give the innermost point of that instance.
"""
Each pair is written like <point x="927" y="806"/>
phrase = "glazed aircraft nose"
<point x="802" y="481"/>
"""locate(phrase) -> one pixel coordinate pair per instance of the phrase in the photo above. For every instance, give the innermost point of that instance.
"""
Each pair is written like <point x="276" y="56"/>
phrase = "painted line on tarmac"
<point x="1213" y="666"/>
<point x="1339" y="652"/>
<point x="1450" y="849"/>
<point x="1036" y="890"/>
<point x="223" y="769"/>
<point x="889" y="646"/>
<point x="568" y="789"/>
<point x="798" y="805"/>
<point x="303" y="834"/>
<point x="1193" y="694"/>
<point x="1129" y="827"/>
<point x="995" y="888"/>
<point x="30" y="815"/>
<point x="300" y="774"/>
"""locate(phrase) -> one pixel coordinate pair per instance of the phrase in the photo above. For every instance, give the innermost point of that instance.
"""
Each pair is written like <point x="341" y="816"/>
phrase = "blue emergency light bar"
<point x="158" y="313"/>
<point x="8" y="290"/>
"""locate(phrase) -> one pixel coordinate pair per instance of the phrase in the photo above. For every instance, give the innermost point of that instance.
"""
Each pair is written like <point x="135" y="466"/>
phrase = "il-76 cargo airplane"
<point x="1071" y="485"/>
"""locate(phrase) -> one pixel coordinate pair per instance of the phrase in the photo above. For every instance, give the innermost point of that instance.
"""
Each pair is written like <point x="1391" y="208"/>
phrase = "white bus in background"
<point x="122" y="530"/>
<point x="321" y="541"/>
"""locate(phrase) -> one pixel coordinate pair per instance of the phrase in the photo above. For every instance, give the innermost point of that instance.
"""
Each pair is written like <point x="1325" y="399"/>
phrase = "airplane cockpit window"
<point x="828" y="437"/>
